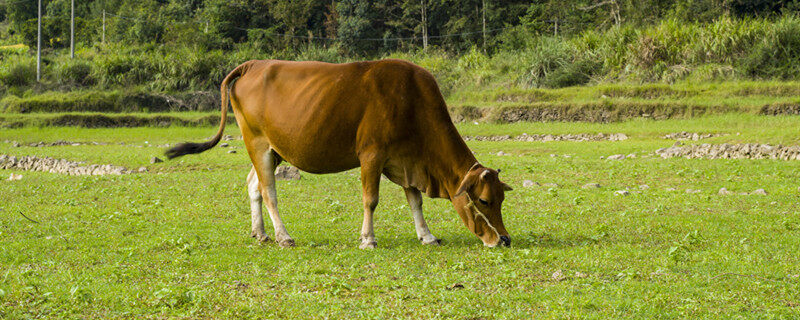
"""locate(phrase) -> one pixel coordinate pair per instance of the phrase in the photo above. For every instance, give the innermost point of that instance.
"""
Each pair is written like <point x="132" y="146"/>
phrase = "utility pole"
<point x="555" y="30"/>
<point x="424" y="27"/>
<point x="39" y="45"/>
<point x="484" y="25"/>
<point x="72" y="31"/>
<point x="103" y="40"/>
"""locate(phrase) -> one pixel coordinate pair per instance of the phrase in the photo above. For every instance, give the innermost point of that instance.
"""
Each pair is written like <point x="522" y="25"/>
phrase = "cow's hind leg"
<point x="269" y="162"/>
<point x="256" y="218"/>
<point x="371" y="168"/>
<point x="414" y="197"/>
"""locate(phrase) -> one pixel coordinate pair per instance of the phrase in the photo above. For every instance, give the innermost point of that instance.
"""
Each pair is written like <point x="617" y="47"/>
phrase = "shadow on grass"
<point x="544" y="240"/>
<point x="530" y="240"/>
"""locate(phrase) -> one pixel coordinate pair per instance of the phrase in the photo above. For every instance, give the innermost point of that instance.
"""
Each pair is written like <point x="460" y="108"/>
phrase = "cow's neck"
<point x="454" y="160"/>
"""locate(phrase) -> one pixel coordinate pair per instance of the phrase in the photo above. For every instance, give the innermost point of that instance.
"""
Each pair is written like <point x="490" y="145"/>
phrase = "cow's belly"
<point x="317" y="158"/>
<point x="325" y="150"/>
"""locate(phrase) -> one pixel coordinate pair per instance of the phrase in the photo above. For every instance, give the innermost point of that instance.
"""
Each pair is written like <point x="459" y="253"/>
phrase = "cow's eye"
<point x="483" y="202"/>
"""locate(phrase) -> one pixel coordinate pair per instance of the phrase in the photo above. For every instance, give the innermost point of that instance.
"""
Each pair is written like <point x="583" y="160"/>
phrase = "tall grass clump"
<point x="188" y="69"/>
<point x="725" y="40"/>
<point x="777" y="54"/>
<point x="320" y="53"/>
<point x="121" y="67"/>
<point x="17" y="70"/>
<point x="551" y="63"/>
<point x="609" y="48"/>
<point x="72" y="72"/>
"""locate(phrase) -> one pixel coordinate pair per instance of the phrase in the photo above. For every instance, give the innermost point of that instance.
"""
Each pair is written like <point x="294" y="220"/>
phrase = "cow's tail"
<point x="191" y="147"/>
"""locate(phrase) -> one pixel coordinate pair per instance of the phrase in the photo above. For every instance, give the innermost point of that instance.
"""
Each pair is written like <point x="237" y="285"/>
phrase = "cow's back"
<point x="319" y="116"/>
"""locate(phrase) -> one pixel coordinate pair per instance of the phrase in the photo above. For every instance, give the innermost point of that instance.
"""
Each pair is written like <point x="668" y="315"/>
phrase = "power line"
<point x="376" y="39"/>
<point x="334" y="39"/>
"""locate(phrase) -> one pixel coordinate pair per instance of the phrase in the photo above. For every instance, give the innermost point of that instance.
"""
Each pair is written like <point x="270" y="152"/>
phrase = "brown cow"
<point x="387" y="117"/>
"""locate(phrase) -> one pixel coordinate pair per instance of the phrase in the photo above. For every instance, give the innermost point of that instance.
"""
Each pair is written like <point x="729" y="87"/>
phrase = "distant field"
<point x="174" y="242"/>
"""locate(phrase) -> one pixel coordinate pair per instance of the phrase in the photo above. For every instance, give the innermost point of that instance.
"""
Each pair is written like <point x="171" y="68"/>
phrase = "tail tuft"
<point x="188" y="148"/>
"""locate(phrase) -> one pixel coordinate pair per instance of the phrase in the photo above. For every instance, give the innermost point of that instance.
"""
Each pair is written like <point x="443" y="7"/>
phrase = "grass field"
<point x="174" y="242"/>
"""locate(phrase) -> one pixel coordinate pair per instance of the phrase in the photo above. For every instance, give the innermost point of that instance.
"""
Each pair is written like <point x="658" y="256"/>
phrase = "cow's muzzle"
<point x="505" y="241"/>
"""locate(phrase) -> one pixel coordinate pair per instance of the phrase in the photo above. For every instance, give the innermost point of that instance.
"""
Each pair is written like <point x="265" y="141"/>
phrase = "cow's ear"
<point x="506" y="187"/>
<point x="467" y="184"/>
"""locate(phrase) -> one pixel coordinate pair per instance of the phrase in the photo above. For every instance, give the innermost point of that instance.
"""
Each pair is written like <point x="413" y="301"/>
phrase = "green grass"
<point x="174" y="242"/>
<point x="111" y="120"/>
<point x="726" y="93"/>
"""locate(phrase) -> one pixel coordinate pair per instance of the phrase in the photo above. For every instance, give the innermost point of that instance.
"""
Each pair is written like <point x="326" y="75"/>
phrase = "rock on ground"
<point x="558" y="276"/>
<point x="616" y="157"/>
<point x="591" y="185"/>
<point x="529" y="183"/>
<point x="731" y="151"/>
<point x="694" y="136"/>
<point x="287" y="173"/>
<point x="759" y="192"/>
<point x="156" y="160"/>
<point x="33" y="163"/>
<point x="621" y="193"/>
<point x="552" y="137"/>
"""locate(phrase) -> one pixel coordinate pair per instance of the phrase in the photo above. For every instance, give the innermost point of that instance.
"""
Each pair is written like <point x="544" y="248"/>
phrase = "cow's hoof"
<point x="431" y="242"/>
<point x="368" y="245"/>
<point x="261" y="238"/>
<point x="287" y="243"/>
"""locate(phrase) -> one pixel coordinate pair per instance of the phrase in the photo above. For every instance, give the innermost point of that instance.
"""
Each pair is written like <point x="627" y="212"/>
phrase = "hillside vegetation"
<point x="524" y="53"/>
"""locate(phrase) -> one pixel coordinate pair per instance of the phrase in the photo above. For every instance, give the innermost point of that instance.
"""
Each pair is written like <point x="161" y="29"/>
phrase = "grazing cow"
<point x="387" y="117"/>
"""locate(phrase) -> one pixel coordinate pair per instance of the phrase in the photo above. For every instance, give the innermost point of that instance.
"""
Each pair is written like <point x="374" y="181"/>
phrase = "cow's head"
<point x="478" y="201"/>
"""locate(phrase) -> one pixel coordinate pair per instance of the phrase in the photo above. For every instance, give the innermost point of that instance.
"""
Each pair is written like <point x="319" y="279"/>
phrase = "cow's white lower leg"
<point x="270" y="162"/>
<point x="424" y="235"/>
<point x="256" y="217"/>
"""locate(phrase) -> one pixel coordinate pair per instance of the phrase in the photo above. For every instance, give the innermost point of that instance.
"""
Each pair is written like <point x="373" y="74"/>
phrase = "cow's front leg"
<point x="371" y="167"/>
<point x="424" y="235"/>
<point x="256" y="217"/>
